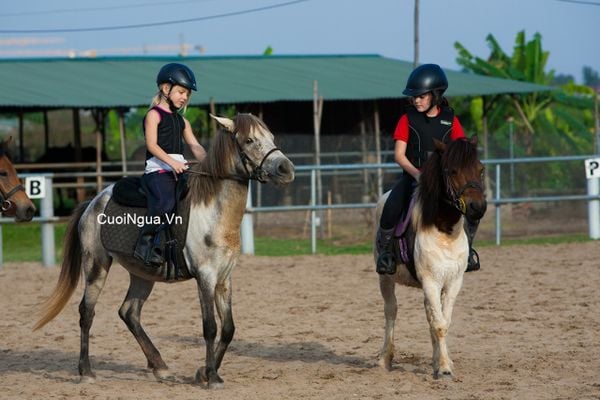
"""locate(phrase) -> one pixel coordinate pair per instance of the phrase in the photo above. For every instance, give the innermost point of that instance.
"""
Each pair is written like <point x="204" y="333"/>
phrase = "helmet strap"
<point x="168" y="99"/>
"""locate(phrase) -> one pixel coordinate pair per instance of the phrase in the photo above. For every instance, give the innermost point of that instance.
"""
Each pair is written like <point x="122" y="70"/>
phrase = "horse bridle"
<point x="257" y="173"/>
<point x="5" y="203"/>
<point x="455" y="197"/>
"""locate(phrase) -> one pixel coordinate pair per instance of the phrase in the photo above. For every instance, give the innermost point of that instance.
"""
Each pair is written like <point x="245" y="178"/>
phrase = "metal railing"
<point x="47" y="218"/>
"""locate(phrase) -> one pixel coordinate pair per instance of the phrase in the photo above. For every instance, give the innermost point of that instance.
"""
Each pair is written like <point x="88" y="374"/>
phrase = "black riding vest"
<point x="170" y="132"/>
<point x="423" y="129"/>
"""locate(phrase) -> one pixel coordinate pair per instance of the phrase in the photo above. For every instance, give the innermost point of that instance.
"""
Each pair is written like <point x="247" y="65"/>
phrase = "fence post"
<point x="593" y="189"/>
<point x="498" y="219"/>
<point x="47" y="212"/>
<point x="313" y="212"/>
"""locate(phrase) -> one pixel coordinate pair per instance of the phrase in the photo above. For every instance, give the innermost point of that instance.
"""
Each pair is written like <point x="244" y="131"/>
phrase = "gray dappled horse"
<point x="14" y="202"/>
<point x="216" y="200"/>
<point x="450" y="187"/>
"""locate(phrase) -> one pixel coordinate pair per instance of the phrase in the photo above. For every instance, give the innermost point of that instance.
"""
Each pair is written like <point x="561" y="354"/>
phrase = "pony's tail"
<point x="69" y="273"/>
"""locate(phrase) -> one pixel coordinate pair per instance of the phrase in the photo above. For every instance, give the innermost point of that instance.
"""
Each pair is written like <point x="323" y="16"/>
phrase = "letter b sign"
<point x="35" y="186"/>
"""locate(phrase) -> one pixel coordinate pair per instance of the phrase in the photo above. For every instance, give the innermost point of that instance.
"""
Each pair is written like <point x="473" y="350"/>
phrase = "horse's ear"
<point x="474" y="140"/>
<point x="441" y="146"/>
<point x="225" y="122"/>
<point x="5" y="143"/>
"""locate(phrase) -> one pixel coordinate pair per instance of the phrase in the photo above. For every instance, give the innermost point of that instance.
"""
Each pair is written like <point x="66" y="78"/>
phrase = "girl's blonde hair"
<point x="159" y="96"/>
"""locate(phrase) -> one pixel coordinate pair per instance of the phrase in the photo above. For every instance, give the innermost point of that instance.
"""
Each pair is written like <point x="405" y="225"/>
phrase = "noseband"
<point x="257" y="173"/>
<point x="5" y="203"/>
<point x="455" y="196"/>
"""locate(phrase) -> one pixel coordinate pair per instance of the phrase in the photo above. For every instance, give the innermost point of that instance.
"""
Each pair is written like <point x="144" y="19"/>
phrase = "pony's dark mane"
<point x="220" y="161"/>
<point x="458" y="155"/>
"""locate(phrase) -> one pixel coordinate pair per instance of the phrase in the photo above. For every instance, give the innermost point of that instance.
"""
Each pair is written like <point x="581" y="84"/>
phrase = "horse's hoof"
<point x="87" y="379"/>
<point x="162" y="374"/>
<point x="216" y="385"/>
<point x="444" y="374"/>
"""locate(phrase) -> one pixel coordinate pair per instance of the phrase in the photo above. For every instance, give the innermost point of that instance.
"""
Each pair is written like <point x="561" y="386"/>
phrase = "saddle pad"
<point x="120" y="230"/>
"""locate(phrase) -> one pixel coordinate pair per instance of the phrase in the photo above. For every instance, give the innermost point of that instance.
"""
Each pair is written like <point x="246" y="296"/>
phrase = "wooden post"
<point x="99" y="116"/>
<point x="363" y="151"/>
<point x="123" y="141"/>
<point x="46" y="132"/>
<point x="98" y="161"/>
<point x="329" y="216"/>
<point x="21" y="146"/>
<point x="416" y="34"/>
<point x="378" y="148"/>
<point x="213" y="111"/>
<point x="77" y="145"/>
<point x="317" y="115"/>
<point x="596" y="122"/>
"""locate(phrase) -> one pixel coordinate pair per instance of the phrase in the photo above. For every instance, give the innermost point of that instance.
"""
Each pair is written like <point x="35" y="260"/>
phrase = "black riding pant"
<point x="160" y="187"/>
<point x="397" y="201"/>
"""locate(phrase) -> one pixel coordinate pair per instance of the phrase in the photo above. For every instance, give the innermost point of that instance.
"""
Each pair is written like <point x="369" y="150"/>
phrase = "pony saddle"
<point x="131" y="191"/>
<point x="125" y="215"/>
<point x="404" y="240"/>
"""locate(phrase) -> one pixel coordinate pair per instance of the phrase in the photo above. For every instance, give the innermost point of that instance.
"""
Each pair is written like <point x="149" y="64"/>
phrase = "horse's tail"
<point x="69" y="273"/>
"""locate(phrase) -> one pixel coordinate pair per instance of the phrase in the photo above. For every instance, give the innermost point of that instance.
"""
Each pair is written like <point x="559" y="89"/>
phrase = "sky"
<point x="570" y="29"/>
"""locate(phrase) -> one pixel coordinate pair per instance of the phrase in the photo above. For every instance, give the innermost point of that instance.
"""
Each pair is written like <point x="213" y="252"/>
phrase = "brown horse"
<point x="14" y="202"/>
<point x="450" y="187"/>
<point x="216" y="200"/>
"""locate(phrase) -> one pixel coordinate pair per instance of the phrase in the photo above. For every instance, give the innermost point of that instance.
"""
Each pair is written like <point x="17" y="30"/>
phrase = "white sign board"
<point x="35" y="187"/>
<point x="592" y="168"/>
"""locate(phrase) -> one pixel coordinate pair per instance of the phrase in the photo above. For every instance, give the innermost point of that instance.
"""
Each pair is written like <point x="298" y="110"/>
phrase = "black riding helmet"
<point x="426" y="78"/>
<point x="177" y="74"/>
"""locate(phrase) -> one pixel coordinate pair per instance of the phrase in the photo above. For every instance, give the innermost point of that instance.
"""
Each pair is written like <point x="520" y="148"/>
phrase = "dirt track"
<point x="525" y="327"/>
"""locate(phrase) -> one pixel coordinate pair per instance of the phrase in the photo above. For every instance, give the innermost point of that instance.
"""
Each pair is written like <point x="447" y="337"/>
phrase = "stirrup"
<point x="473" y="261"/>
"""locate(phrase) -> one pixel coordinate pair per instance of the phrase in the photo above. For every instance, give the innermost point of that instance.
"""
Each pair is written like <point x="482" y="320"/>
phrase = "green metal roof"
<point x="130" y="81"/>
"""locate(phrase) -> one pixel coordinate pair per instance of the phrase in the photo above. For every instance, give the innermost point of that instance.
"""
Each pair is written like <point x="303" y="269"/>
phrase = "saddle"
<point x="404" y="240"/>
<point x="126" y="212"/>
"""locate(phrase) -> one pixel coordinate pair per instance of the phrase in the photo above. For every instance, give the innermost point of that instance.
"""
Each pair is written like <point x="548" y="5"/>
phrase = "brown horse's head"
<point x="463" y="176"/>
<point x="14" y="200"/>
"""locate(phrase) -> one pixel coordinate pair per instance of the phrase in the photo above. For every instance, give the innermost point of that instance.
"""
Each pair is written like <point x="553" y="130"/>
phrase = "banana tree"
<point x="527" y="63"/>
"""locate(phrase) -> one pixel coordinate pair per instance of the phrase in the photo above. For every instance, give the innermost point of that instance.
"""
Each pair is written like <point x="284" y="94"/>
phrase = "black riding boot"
<point x="148" y="247"/>
<point x="473" y="260"/>
<point x="386" y="262"/>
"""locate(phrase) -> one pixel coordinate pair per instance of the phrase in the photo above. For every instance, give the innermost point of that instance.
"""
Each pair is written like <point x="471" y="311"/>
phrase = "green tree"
<point x="527" y="63"/>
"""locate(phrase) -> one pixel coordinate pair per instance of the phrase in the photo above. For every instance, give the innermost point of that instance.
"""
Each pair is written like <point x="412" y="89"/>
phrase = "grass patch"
<point x="22" y="242"/>
<point x="554" y="239"/>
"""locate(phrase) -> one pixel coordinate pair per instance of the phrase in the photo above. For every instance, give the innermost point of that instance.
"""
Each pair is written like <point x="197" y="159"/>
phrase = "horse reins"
<point x="5" y="203"/>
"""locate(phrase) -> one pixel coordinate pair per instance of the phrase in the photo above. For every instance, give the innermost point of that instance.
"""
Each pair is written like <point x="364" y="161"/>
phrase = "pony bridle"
<point x="257" y="173"/>
<point x="455" y="196"/>
<point x="5" y="203"/>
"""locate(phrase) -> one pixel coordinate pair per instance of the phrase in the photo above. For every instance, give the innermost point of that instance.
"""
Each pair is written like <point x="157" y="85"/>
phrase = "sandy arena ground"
<point x="525" y="327"/>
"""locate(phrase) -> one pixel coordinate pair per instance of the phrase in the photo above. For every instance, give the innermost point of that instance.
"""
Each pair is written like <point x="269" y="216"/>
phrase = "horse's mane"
<point x="207" y="177"/>
<point x="458" y="155"/>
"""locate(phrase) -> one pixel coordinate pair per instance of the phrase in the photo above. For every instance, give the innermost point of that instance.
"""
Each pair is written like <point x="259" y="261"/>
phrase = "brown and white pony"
<point x="450" y="187"/>
<point x="218" y="188"/>
<point x="14" y="202"/>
